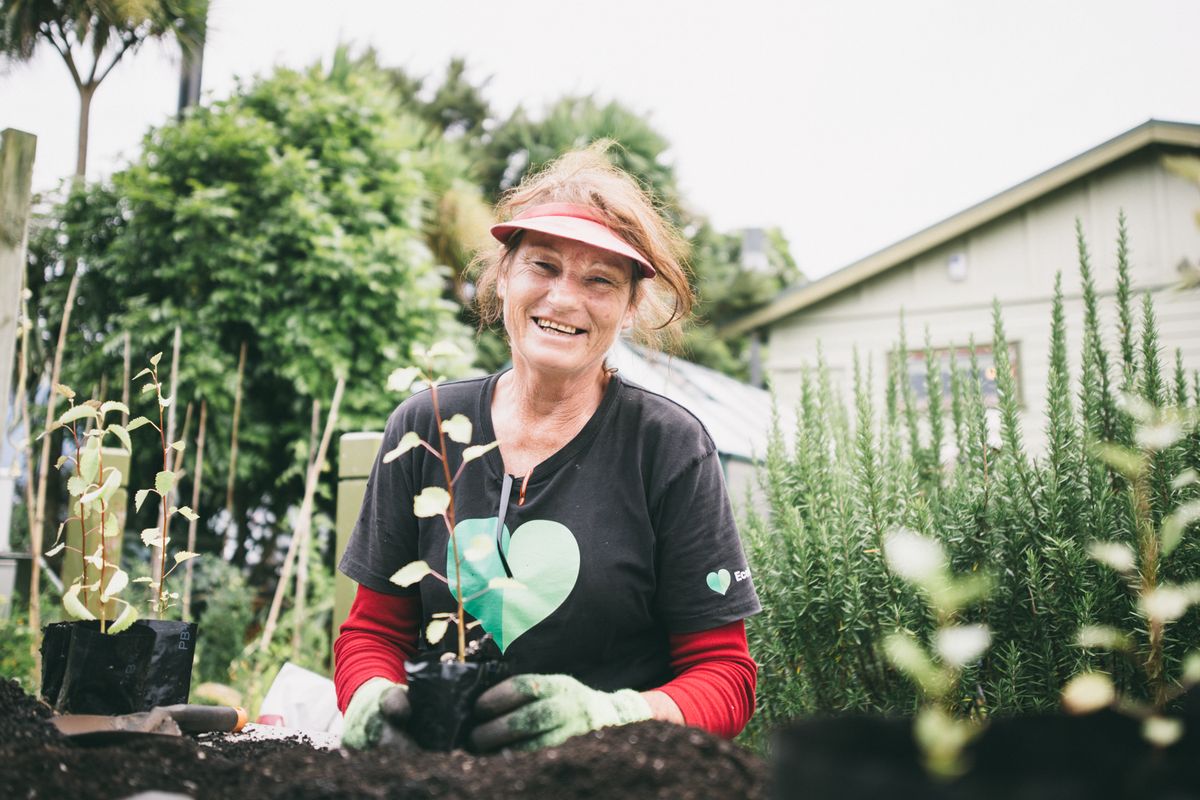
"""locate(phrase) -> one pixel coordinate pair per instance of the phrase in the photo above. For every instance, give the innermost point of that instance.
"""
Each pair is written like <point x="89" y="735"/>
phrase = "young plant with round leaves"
<point x="941" y="731"/>
<point x="164" y="484"/>
<point x="91" y="488"/>
<point x="1155" y="430"/>
<point x="436" y="501"/>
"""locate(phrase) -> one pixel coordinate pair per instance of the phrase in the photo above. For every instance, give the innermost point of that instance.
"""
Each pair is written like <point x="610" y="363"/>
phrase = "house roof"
<point x="737" y="415"/>
<point x="1152" y="132"/>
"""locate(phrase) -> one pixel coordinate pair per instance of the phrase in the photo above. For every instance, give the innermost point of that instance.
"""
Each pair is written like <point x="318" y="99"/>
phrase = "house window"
<point x="917" y="372"/>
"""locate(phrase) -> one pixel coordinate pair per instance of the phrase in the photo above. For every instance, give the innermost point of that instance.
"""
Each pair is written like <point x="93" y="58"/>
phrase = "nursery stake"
<point x="298" y="609"/>
<point x="303" y="520"/>
<point x="39" y="515"/>
<point x="125" y="384"/>
<point x="191" y="540"/>
<point x="233" y="438"/>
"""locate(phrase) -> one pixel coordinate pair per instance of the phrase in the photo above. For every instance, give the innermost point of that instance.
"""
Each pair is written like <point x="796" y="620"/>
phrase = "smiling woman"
<point x="634" y="587"/>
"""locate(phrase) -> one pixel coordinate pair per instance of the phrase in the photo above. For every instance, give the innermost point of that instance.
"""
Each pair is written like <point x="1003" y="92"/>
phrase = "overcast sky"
<point x="849" y="123"/>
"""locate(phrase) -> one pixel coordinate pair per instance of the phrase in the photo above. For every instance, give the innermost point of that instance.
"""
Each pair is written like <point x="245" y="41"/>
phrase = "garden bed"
<point x="646" y="760"/>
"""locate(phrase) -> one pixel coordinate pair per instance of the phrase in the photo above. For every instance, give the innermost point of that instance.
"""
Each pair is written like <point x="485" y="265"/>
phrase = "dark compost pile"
<point x="647" y="760"/>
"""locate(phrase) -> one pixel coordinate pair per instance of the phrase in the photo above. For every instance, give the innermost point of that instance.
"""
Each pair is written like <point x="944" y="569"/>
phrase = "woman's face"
<point x="564" y="304"/>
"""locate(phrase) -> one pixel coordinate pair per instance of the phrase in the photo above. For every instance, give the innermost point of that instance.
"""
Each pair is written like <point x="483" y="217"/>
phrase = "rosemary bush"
<point x="854" y="473"/>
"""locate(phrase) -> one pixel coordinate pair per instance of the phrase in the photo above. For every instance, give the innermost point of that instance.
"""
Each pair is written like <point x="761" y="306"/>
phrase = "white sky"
<point x="850" y="123"/>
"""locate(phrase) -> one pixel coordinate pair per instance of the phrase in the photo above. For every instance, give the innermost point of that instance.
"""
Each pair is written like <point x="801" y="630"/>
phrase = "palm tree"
<point x="92" y="36"/>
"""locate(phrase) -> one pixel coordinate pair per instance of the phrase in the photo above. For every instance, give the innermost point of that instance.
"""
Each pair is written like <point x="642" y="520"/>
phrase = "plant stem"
<point x="1148" y="562"/>
<point x="449" y="518"/>
<point x="162" y="543"/>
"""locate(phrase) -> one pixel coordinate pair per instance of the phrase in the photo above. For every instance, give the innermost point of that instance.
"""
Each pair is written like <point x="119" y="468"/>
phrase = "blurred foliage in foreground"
<point x="841" y="485"/>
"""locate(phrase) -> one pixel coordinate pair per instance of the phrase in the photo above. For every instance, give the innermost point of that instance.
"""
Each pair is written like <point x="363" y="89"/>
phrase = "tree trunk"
<point x="86" y="92"/>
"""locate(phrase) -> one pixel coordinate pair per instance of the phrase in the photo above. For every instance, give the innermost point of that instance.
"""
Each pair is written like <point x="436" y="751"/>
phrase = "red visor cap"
<point x="575" y="222"/>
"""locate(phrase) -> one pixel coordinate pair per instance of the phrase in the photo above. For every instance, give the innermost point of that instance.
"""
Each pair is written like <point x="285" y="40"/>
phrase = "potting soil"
<point x="646" y="760"/>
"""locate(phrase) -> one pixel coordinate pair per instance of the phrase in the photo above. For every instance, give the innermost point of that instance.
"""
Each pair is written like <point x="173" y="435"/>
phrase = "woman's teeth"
<point x="546" y="324"/>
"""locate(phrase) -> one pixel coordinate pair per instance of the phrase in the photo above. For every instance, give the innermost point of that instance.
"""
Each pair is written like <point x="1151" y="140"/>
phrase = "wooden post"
<point x="72" y="565"/>
<point x="303" y="519"/>
<point x="197" y="476"/>
<point x="300" y="609"/>
<point x="231" y="523"/>
<point x="16" y="174"/>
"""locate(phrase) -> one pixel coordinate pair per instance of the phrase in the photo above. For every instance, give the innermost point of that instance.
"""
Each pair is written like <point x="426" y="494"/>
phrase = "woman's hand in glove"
<point x="528" y="712"/>
<point x="378" y="717"/>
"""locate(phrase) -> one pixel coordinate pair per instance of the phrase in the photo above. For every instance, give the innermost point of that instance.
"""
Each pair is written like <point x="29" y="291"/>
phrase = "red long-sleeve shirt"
<point x="713" y="685"/>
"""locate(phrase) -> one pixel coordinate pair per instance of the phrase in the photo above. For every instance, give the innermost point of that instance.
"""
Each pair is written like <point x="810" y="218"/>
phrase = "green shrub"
<point x="842" y="485"/>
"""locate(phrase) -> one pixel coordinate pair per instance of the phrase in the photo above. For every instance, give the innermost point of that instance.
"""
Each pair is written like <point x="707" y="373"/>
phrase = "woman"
<point x="610" y="497"/>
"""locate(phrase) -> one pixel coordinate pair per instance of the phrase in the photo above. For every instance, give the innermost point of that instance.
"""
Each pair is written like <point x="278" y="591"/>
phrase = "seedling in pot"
<point x="164" y="486"/>
<point x="436" y="501"/>
<point x="941" y="730"/>
<point x="1159" y="604"/>
<point x="91" y="487"/>
<point x="442" y="691"/>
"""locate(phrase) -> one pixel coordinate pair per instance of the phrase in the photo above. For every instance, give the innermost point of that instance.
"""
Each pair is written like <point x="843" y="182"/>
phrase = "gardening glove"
<point x="528" y="712"/>
<point x="378" y="717"/>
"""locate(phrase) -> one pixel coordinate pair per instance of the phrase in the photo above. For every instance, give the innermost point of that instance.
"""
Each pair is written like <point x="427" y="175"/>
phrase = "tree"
<point x="289" y="217"/>
<point x="523" y="144"/>
<point x="100" y="30"/>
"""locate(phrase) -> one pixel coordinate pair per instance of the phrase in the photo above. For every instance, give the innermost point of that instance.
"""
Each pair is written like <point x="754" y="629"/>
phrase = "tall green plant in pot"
<point x="110" y="661"/>
<point x="443" y="685"/>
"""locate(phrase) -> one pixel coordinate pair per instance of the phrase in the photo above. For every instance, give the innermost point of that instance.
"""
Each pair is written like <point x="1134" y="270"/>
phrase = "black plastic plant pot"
<point x="85" y="671"/>
<point x="443" y="694"/>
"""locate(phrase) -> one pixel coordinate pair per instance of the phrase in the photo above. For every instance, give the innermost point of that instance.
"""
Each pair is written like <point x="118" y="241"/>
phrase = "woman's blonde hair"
<point x="587" y="177"/>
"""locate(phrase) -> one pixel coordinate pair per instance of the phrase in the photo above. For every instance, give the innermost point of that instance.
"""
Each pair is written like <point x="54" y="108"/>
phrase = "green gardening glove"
<point x="528" y="712"/>
<point x="377" y="716"/>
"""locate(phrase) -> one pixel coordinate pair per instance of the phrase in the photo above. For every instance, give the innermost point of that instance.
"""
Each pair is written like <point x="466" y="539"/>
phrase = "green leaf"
<point x="431" y="502"/>
<point x="53" y="551"/>
<point x="411" y="573"/>
<point x="164" y="482"/>
<point x="76" y="486"/>
<point x="147" y="388"/>
<point x="185" y="555"/>
<point x="1177" y="523"/>
<point x="178" y="446"/>
<point x="75" y="413"/>
<point x="908" y="657"/>
<point x="435" y="631"/>
<point x="137" y="422"/>
<point x="139" y="497"/>
<point x="73" y="605"/>
<point x="127" y="617"/>
<point x="401" y="380"/>
<point x="1129" y="463"/>
<point x="89" y="461"/>
<point x="123" y="435"/>
<point x="154" y="359"/>
<point x="113" y="405"/>
<point x="145" y="371"/>
<point x="444" y="349"/>
<point x="112" y="525"/>
<point x="142" y="579"/>
<point x="65" y="391"/>
<point x="164" y="401"/>
<point x="61" y="460"/>
<point x="116" y="584"/>
<point x="96" y="559"/>
<point x="475" y="451"/>
<point x="188" y="514"/>
<point x="152" y="537"/>
<point x="106" y="490"/>
<point x="407" y="442"/>
<point x="458" y="428"/>
<point x="1088" y="692"/>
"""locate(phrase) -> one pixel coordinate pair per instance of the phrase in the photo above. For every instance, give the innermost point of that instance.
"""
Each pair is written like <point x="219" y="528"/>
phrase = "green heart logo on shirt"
<point x="719" y="581"/>
<point x="542" y="555"/>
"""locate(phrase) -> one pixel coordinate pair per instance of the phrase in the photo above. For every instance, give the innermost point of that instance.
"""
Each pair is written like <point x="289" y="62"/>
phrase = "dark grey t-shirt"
<point x="625" y="535"/>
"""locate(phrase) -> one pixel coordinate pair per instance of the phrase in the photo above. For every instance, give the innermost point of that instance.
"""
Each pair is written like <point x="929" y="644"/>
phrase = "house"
<point x="1008" y="247"/>
<point x="736" y="415"/>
